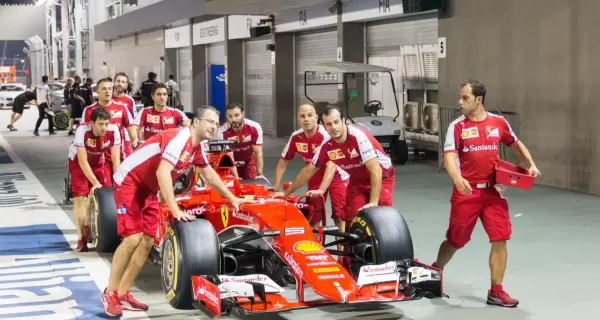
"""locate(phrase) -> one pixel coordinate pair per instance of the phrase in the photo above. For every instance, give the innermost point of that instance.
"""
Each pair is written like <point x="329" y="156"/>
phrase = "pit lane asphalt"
<point x="553" y="257"/>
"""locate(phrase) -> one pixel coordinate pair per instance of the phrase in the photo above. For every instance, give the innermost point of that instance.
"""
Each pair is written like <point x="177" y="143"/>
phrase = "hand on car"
<point x="463" y="186"/>
<point x="238" y="201"/>
<point x="94" y="189"/>
<point x="278" y="194"/>
<point x="180" y="215"/>
<point x="317" y="192"/>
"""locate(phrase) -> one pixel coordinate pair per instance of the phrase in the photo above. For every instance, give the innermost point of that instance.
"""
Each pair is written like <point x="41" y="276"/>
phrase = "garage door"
<point x="184" y="71"/>
<point x="384" y="39"/>
<point x="216" y="53"/>
<point x="311" y="48"/>
<point x="259" y="84"/>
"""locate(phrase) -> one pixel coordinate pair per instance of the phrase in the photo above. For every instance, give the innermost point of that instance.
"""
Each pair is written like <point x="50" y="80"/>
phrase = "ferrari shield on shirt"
<point x="351" y="155"/>
<point x="138" y="171"/>
<point x="128" y="102"/>
<point x="95" y="147"/>
<point x="153" y="122"/>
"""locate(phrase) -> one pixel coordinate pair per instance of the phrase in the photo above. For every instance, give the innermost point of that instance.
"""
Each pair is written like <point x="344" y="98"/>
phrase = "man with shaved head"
<point x="333" y="180"/>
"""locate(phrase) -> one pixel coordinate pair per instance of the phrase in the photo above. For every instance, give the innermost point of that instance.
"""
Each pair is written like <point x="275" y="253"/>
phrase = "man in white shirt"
<point x="172" y="91"/>
<point x="44" y="103"/>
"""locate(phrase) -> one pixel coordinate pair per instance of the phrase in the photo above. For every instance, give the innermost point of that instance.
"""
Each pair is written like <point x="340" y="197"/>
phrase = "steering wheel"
<point x="373" y="106"/>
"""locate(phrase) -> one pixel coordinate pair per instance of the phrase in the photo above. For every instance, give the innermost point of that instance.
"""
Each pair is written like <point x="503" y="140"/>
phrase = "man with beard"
<point x="148" y="171"/>
<point x="332" y="180"/>
<point x="119" y="115"/>
<point x="357" y="152"/>
<point x="249" y="137"/>
<point x="121" y="81"/>
<point x="153" y="120"/>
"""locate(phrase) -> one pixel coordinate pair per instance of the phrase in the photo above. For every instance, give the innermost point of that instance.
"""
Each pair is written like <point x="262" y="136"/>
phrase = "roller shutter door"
<point x="384" y="38"/>
<point x="215" y="53"/>
<point x="184" y="71"/>
<point x="311" y="48"/>
<point x="259" y="83"/>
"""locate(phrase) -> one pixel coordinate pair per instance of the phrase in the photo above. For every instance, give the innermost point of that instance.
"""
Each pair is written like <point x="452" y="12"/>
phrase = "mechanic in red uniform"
<point x="119" y="115"/>
<point x="357" y="152"/>
<point x="150" y="169"/>
<point x="119" y="96"/>
<point x="87" y="166"/>
<point x="472" y="142"/>
<point x="249" y="137"/>
<point x="333" y="180"/>
<point x="153" y="120"/>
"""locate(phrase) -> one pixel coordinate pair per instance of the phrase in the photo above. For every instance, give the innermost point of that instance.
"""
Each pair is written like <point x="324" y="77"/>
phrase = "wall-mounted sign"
<point x="239" y="25"/>
<point x="209" y="31"/>
<point x="305" y="19"/>
<point x="365" y="10"/>
<point x="177" y="37"/>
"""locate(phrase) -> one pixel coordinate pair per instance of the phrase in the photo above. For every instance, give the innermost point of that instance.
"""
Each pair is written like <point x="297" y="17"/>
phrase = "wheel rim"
<point x="168" y="264"/>
<point x="61" y="120"/>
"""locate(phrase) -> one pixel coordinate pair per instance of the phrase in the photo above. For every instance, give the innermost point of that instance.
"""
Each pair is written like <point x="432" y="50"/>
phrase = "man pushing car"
<point x="150" y="169"/>
<point x="360" y="155"/>
<point x="87" y="166"/>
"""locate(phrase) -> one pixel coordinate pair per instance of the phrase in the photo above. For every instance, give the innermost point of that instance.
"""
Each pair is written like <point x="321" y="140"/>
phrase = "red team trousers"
<point x="337" y="191"/>
<point x="137" y="210"/>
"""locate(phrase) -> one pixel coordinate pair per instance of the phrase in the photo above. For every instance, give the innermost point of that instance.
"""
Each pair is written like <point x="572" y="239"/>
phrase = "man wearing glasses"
<point x="169" y="154"/>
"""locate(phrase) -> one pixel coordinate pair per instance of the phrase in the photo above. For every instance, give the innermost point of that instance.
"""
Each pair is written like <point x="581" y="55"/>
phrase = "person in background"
<point x="18" y="107"/>
<point x="77" y="103"/>
<point x="87" y="92"/>
<point x="173" y="91"/>
<point x="44" y="106"/>
<point x="146" y="89"/>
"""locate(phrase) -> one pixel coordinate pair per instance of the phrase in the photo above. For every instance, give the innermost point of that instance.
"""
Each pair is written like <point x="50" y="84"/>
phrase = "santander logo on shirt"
<point x="473" y="148"/>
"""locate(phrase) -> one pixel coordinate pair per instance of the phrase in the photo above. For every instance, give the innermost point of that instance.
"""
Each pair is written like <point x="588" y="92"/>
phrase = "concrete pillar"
<point x="199" y="80"/>
<point x="234" y="69"/>
<point x="351" y="40"/>
<point x="283" y="85"/>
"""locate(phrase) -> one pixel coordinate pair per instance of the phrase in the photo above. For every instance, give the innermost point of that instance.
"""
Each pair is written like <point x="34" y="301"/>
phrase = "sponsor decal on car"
<point x="225" y="215"/>
<point x="331" y="276"/>
<point x="317" y="257"/>
<point x="293" y="264"/>
<point x="321" y="263"/>
<point x="195" y="211"/>
<point x="292" y="231"/>
<point x="243" y="216"/>
<point x="307" y="246"/>
<point x="326" y="270"/>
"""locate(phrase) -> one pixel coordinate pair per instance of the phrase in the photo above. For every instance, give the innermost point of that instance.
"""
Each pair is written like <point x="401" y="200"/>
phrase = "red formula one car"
<point x="230" y="261"/>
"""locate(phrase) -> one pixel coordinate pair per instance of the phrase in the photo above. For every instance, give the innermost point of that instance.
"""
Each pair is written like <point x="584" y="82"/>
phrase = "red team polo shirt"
<point x="250" y="135"/>
<point x="477" y="145"/>
<point x="152" y="122"/>
<point x="352" y="154"/>
<point x="96" y="147"/>
<point x="138" y="171"/>
<point x="128" y="102"/>
<point x="304" y="146"/>
<point x="119" y="116"/>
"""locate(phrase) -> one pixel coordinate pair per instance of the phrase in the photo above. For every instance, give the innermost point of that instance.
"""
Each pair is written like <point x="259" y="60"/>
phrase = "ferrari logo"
<point x="308" y="247"/>
<point x="225" y="215"/>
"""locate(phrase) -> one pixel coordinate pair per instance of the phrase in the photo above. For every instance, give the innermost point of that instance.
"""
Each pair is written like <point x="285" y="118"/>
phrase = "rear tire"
<point x="189" y="249"/>
<point x="103" y="221"/>
<point x="386" y="231"/>
<point x="399" y="152"/>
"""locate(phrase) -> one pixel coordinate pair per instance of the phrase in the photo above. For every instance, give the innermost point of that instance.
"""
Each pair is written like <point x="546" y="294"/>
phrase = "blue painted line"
<point x="66" y="291"/>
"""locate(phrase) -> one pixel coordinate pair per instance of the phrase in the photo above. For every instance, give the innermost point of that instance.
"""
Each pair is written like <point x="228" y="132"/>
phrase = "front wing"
<point x="409" y="280"/>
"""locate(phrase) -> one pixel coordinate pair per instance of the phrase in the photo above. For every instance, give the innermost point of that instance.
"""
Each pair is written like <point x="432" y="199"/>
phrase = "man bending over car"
<point x="357" y="152"/>
<point x="332" y="180"/>
<point x="150" y="169"/>
<point x="87" y="166"/>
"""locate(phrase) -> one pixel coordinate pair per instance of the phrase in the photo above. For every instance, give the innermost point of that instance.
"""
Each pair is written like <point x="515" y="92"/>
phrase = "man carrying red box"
<point x="470" y="155"/>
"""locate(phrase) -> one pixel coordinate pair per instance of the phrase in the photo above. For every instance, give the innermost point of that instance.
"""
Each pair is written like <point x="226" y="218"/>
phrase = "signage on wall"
<point x="305" y="19"/>
<point x="239" y="25"/>
<point x="177" y="37"/>
<point x="365" y="10"/>
<point x="209" y="31"/>
<point x="442" y="45"/>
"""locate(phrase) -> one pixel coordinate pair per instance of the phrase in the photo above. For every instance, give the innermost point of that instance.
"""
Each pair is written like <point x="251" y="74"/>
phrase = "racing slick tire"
<point x="189" y="248"/>
<point x="61" y="120"/>
<point x="399" y="152"/>
<point x="103" y="221"/>
<point x="385" y="237"/>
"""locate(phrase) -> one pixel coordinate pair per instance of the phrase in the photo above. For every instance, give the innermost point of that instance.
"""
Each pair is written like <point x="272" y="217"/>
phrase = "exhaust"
<point x="365" y="251"/>
<point x="231" y="263"/>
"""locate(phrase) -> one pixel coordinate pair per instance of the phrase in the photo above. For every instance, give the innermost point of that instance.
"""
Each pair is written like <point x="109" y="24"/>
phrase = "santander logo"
<point x="493" y="147"/>
<point x="379" y="268"/>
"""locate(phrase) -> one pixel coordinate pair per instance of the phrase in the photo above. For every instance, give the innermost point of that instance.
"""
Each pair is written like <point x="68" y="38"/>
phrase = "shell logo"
<point x="308" y="247"/>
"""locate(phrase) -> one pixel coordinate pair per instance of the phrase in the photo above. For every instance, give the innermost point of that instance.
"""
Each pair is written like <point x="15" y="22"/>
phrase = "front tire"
<point x="189" y="249"/>
<point x="385" y="237"/>
<point x="103" y="221"/>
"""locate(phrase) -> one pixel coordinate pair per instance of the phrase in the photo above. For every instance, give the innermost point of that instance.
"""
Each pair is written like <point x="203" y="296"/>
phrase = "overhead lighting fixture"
<point x="335" y="7"/>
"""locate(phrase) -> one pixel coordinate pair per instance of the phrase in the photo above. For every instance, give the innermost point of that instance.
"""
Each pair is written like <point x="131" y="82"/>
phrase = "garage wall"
<point x="312" y="47"/>
<point x="184" y="75"/>
<point x="258" y="83"/>
<point x="216" y="53"/>
<point x="142" y="52"/>
<point x="541" y="61"/>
